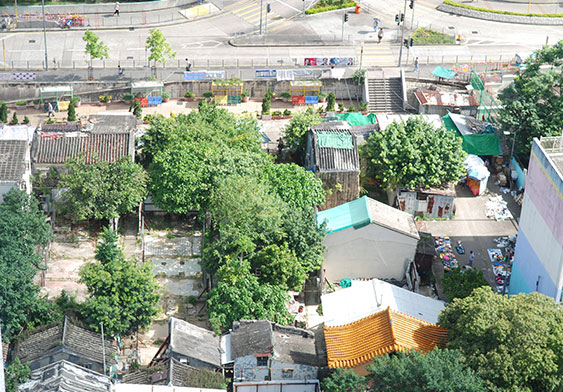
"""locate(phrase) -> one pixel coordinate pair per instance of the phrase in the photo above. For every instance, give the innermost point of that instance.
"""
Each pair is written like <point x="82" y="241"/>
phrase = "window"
<point x="287" y="373"/>
<point x="262" y="361"/>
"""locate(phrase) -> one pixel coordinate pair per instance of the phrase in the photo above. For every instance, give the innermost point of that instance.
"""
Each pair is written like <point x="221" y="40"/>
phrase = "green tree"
<point x="123" y="295"/>
<point x="279" y="266"/>
<point x="158" y="47"/>
<point x="514" y="344"/>
<point x="102" y="190"/>
<point x="23" y="231"/>
<point x="344" y="380"/>
<point x="295" y="133"/>
<point x="436" y="371"/>
<point x="331" y="100"/>
<point x="414" y="154"/>
<point x="298" y="187"/>
<point x="239" y="295"/>
<point x="3" y="113"/>
<point x="136" y="108"/>
<point x="16" y="374"/>
<point x="532" y="106"/>
<point x="266" y="102"/>
<point x="460" y="284"/>
<point x="14" y="120"/>
<point x="71" y="112"/>
<point x="95" y="48"/>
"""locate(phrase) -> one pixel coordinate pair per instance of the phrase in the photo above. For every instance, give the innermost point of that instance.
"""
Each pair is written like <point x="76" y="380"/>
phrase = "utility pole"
<point x="261" y="7"/>
<point x="411" y="5"/>
<point x="402" y="20"/>
<point x="268" y="9"/>
<point x="303" y="14"/>
<point x="344" y="20"/>
<point x="45" y="35"/>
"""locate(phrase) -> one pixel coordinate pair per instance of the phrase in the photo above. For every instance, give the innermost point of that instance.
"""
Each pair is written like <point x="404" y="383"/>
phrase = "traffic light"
<point x="345" y="17"/>
<point x="402" y="17"/>
<point x="268" y="7"/>
<point x="397" y="18"/>
<point x="406" y="43"/>
<point x="411" y="42"/>
<point x="411" y="4"/>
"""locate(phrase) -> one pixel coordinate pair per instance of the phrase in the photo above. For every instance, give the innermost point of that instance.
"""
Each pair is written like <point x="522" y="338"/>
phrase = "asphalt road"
<point x="206" y="42"/>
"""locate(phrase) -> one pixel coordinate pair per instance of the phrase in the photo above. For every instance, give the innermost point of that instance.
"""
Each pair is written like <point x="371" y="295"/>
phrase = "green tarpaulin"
<point x="357" y="118"/>
<point x="335" y="140"/>
<point x="442" y="72"/>
<point x="477" y="144"/>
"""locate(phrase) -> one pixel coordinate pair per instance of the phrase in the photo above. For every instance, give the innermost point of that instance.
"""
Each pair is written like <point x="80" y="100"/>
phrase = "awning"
<point x="441" y="72"/>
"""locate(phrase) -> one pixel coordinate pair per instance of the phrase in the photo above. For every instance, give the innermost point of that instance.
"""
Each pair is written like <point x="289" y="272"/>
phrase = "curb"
<point x="503" y="18"/>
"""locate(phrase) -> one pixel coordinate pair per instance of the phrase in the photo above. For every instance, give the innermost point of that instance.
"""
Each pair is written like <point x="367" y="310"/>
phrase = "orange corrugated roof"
<point x="381" y="333"/>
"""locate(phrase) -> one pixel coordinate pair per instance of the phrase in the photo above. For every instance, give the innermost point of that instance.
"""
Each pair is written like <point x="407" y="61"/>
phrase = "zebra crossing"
<point x="249" y="11"/>
<point x="376" y="55"/>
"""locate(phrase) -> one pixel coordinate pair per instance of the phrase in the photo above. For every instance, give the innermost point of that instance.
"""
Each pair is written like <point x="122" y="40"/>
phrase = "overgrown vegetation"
<point x="329" y="5"/>
<point x="460" y="284"/>
<point x="424" y="36"/>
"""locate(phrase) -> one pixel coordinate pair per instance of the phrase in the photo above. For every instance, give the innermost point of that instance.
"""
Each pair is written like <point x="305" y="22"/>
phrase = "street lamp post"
<point x="45" y="35"/>
<point x="261" y="7"/>
<point x="402" y="32"/>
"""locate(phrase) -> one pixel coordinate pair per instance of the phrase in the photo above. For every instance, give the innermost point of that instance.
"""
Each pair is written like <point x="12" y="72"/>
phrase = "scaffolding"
<point x="227" y="92"/>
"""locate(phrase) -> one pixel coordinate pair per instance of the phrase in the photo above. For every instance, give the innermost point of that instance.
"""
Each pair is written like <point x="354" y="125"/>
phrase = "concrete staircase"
<point x="385" y="95"/>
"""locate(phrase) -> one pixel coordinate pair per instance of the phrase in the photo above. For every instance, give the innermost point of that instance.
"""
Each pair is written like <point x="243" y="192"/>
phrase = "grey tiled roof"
<point x="63" y="376"/>
<point x="328" y="159"/>
<point x="287" y="344"/>
<point x="12" y="159"/>
<point x="195" y="342"/>
<point x="58" y="147"/>
<point x="79" y="341"/>
<point x="112" y="122"/>
<point x="62" y="127"/>
<point x="169" y="372"/>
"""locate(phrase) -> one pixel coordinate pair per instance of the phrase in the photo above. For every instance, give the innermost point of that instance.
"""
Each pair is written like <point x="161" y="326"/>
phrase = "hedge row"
<point x="454" y="4"/>
<point x="316" y="10"/>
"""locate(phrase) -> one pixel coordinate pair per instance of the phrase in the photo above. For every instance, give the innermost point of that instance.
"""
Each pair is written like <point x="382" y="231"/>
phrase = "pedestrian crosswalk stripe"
<point x="248" y="11"/>
<point x="235" y="5"/>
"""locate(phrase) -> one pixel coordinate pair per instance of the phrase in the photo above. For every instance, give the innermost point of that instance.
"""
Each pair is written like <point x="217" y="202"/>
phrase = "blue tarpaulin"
<point x="311" y="99"/>
<point x="153" y="101"/>
<point x="442" y="72"/>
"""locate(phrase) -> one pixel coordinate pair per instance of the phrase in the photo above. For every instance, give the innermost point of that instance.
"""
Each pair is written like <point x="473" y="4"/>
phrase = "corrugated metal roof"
<point x="58" y="147"/>
<point x="12" y="159"/>
<point x="334" y="159"/>
<point x="444" y="98"/>
<point x="381" y="333"/>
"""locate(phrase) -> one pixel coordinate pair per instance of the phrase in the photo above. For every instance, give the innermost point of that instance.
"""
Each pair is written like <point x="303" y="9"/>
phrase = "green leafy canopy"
<point x="95" y="48"/>
<point x="460" y="284"/>
<point x="158" y="47"/>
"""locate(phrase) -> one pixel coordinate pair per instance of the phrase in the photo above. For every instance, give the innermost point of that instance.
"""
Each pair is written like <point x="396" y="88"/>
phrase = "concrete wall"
<point x="246" y="369"/>
<point x="98" y="8"/>
<point x="369" y="252"/>
<point x="91" y="91"/>
<point x="300" y="372"/>
<point x="538" y="259"/>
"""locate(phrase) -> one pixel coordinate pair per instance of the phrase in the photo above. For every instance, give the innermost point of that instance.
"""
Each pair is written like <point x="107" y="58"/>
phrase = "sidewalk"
<point x="132" y="15"/>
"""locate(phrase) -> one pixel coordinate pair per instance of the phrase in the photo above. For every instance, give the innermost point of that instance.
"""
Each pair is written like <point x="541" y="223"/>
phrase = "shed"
<point x="55" y="93"/>
<point x="263" y="350"/>
<point x="148" y="93"/>
<point x="332" y="154"/>
<point x="429" y="202"/>
<point x="443" y="102"/>
<point x="227" y="92"/>
<point x="479" y="137"/>
<point x="367" y="239"/>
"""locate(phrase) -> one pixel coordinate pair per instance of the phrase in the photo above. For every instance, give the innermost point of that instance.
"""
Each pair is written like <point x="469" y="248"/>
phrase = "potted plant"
<point x="207" y="95"/>
<point x="165" y="96"/>
<point x="287" y="113"/>
<point x="128" y="98"/>
<point x="37" y="104"/>
<point x="364" y="107"/>
<point x="244" y="96"/>
<point x="340" y="107"/>
<point x="352" y="109"/>
<point x="286" y="96"/>
<point x="322" y="97"/>
<point x="76" y="101"/>
<point x="189" y="96"/>
<point x="277" y="115"/>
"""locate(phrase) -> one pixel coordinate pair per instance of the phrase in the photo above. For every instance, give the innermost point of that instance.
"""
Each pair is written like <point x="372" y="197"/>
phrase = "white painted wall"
<point x="372" y="251"/>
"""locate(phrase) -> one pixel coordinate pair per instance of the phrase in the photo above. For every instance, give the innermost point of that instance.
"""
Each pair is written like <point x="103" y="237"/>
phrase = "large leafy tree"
<point x="436" y="371"/>
<point x="95" y="47"/>
<point x="16" y="374"/>
<point x="23" y="230"/>
<point x="533" y="105"/>
<point x="102" y="190"/>
<point x="239" y="295"/>
<point x="295" y="133"/>
<point x="514" y="344"/>
<point x="123" y="295"/>
<point x="344" y="381"/>
<point x="158" y="47"/>
<point x="414" y="154"/>
<point x="460" y="284"/>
